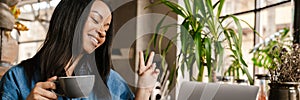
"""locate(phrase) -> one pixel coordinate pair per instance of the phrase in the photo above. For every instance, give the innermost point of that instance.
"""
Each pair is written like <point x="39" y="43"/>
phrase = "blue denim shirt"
<point x="14" y="86"/>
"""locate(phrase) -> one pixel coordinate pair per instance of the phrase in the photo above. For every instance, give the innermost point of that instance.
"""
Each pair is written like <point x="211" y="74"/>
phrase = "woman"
<point x="79" y="37"/>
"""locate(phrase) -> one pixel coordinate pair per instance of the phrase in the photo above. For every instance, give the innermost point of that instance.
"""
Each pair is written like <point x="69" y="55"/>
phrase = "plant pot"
<point x="284" y="91"/>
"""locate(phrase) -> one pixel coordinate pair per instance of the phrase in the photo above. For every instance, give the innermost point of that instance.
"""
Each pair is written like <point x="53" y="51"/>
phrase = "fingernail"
<point x="157" y="70"/>
<point x="53" y="85"/>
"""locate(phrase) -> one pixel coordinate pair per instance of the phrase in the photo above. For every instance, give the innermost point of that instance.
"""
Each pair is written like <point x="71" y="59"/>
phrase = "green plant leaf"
<point x="220" y="51"/>
<point x="250" y="79"/>
<point x="175" y="8"/>
<point x="237" y="73"/>
<point x="161" y="39"/>
<point x="199" y="5"/>
<point x="220" y="8"/>
<point x="199" y="30"/>
<point x="209" y="6"/>
<point x="256" y="33"/>
<point x="188" y="6"/>
<point x="158" y="27"/>
<point x="239" y="28"/>
<point x="182" y="68"/>
<point x="207" y="43"/>
<point x="198" y="52"/>
<point x="228" y="37"/>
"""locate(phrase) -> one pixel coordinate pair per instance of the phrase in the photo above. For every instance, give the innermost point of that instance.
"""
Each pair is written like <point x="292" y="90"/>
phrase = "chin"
<point x="89" y="50"/>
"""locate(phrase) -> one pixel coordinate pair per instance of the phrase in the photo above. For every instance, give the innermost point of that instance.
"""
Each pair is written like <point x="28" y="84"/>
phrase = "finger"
<point x="52" y="79"/>
<point x="153" y="66"/>
<point x="46" y="93"/>
<point x="142" y="62"/>
<point x="150" y="69"/>
<point x="150" y="60"/>
<point x="156" y="72"/>
<point x="46" y="85"/>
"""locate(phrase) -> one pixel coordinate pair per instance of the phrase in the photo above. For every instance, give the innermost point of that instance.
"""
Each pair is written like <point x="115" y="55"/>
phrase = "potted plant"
<point x="204" y="36"/>
<point x="281" y="58"/>
<point x="266" y="54"/>
<point x="285" y="77"/>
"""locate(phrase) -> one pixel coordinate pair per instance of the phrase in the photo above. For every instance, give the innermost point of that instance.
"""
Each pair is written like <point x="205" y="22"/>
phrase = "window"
<point x="36" y="16"/>
<point x="266" y="16"/>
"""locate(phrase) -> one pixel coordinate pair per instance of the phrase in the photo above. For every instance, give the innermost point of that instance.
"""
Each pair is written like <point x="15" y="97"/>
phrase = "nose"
<point x="101" y="31"/>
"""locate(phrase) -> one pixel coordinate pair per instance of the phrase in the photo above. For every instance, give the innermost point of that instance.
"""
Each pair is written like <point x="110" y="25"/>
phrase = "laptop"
<point x="216" y="91"/>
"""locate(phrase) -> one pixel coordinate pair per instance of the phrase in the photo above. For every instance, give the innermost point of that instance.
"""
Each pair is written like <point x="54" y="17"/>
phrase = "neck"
<point x="71" y="65"/>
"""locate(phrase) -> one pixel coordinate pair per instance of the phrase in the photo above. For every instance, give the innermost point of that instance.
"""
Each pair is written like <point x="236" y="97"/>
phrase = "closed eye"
<point x="94" y="20"/>
<point x="96" y="16"/>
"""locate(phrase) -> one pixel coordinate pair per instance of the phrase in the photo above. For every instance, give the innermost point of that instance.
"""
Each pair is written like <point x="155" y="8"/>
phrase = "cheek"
<point x="106" y="27"/>
<point x="101" y="42"/>
<point x="86" y="28"/>
<point x="104" y="39"/>
<point x="89" y="26"/>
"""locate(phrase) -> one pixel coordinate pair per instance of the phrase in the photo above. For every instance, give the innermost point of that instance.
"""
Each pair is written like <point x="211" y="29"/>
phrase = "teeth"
<point x="94" y="39"/>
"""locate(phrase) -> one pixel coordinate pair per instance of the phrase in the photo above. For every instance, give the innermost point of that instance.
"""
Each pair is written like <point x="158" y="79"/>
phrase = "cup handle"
<point x="56" y="93"/>
<point x="56" y="82"/>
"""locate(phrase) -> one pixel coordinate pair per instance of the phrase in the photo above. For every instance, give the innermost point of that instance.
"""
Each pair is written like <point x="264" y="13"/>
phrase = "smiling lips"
<point x="95" y="40"/>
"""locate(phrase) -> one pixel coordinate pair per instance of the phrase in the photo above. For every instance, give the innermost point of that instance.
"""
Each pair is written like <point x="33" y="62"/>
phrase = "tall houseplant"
<point x="204" y="36"/>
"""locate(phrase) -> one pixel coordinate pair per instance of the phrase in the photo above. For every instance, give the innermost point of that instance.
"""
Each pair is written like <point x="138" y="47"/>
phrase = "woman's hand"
<point x="41" y="92"/>
<point x="147" y="77"/>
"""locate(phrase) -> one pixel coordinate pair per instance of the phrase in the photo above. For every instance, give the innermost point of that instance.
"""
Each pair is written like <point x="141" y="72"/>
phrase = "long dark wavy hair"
<point x="56" y="51"/>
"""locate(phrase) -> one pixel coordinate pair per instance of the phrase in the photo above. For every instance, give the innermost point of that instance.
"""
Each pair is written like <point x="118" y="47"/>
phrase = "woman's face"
<point x="98" y="21"/>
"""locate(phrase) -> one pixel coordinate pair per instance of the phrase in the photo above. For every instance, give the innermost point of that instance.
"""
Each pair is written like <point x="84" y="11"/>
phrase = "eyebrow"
<point x="98" y="14"/>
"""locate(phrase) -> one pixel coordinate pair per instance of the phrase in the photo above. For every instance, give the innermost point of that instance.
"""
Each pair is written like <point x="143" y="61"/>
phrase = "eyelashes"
<point x="94" y="20"/>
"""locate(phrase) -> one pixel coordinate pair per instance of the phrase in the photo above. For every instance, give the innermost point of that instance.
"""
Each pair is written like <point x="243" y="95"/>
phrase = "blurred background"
<point x="266" y="16"/>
